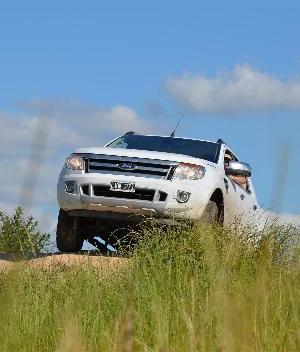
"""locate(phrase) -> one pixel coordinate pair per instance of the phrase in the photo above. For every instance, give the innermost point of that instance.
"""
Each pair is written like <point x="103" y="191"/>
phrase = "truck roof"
<point x="219" y="141"/>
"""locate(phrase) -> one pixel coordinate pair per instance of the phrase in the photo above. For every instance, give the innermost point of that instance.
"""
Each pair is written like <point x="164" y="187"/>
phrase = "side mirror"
<point x="237" y="168"/>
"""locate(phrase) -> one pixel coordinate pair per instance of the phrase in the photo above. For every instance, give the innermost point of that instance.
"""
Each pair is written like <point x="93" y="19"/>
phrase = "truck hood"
<point x="144" y="154"/>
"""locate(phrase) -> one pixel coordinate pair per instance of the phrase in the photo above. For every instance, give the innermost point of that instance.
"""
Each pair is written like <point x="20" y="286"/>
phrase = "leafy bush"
<point x="21" y="235"/>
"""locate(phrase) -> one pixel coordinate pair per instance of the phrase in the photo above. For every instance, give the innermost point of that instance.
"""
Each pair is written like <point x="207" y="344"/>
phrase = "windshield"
<point x="197" y="149"/>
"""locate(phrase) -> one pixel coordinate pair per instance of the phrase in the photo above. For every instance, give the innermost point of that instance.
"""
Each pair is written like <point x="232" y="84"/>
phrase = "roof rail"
<point x="129" y="133"/>
<point x="220" y="141"/>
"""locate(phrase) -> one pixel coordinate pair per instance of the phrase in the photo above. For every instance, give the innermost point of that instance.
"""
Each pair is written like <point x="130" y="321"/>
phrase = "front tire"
<point x="68" y="237"/>
<point x="213" y="214"/>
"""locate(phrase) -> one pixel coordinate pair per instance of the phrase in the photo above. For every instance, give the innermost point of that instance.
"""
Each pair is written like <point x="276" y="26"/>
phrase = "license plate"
<point x="122" y="186"/>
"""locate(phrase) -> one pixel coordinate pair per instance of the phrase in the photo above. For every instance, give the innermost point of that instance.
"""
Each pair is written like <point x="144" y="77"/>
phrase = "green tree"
<point x="19" y="234"/>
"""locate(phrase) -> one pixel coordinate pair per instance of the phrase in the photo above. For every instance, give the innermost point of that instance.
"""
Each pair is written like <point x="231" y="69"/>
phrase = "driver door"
<point x="249" y="203"/>
<point x="241" y="199"/>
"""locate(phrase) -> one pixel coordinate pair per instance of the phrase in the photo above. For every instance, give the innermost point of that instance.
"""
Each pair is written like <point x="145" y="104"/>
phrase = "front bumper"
<point x="167" y="208"/>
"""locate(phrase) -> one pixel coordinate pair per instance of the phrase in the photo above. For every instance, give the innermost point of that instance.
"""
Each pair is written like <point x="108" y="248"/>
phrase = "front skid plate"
<point x="121" y="217"/>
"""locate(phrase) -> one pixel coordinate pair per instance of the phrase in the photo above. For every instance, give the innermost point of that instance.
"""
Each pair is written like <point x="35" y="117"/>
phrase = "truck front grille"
<point x="118" y="165"/>
<point x="140" y="193"/>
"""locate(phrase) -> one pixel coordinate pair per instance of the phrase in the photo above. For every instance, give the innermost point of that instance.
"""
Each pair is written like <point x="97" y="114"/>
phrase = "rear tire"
<point x="68" y="237"/>
<point x="213" y="214"/>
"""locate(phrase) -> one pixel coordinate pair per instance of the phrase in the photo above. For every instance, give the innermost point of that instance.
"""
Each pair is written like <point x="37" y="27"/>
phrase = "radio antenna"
<point x="173" y="133"/>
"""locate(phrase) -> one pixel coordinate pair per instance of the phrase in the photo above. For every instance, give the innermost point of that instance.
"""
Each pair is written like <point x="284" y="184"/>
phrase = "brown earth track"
<point x="5" y="265"/>
<point x="68" y="260"/>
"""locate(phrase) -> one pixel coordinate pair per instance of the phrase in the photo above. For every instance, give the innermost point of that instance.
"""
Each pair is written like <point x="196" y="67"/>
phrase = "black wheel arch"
<point x="218" y="198"/>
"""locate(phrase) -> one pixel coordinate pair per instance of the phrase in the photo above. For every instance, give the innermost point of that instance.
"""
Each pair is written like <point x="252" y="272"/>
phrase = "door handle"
<point x="242" y="197"/>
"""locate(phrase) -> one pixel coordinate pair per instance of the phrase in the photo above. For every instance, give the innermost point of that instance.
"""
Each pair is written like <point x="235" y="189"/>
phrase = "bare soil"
<point x="68" y="260"/>
<point x="5" y="265"/>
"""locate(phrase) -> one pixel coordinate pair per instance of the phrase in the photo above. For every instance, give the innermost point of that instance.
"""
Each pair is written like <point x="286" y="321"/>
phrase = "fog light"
<point x="182" y="196"/>
<point x="71" y="187"/>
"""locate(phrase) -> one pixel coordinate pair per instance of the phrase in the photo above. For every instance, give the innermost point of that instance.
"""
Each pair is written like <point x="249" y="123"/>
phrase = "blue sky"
<point x="80" y="64"/>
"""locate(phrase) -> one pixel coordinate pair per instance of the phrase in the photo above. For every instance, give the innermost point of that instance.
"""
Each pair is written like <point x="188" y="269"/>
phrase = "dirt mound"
<point x="68" y="260"/>
<point x="5" y="265"/>
<point x="75" y="259"/>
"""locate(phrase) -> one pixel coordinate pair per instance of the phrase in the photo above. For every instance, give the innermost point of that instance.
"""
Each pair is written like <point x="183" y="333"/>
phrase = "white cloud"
<point x="17" y="133"/>
<point x="88" y="121"/>
<point x="240" y="90"/>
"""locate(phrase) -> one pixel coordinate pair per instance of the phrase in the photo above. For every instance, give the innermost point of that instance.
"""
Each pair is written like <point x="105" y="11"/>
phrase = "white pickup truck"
<point x="104" y="191"/>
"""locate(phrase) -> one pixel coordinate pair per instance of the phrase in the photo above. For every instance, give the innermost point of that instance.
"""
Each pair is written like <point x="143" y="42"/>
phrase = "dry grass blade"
<point x="127" y="331"/>
<point x="71" y="341"/>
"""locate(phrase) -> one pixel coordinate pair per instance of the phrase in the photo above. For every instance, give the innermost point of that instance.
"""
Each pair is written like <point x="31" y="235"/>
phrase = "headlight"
<point x="188" y="172"/>
<point x="75" y="163"/>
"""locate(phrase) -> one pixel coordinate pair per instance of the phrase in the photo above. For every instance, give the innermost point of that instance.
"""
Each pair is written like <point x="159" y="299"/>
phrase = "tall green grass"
<point x="186" y="289"/>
